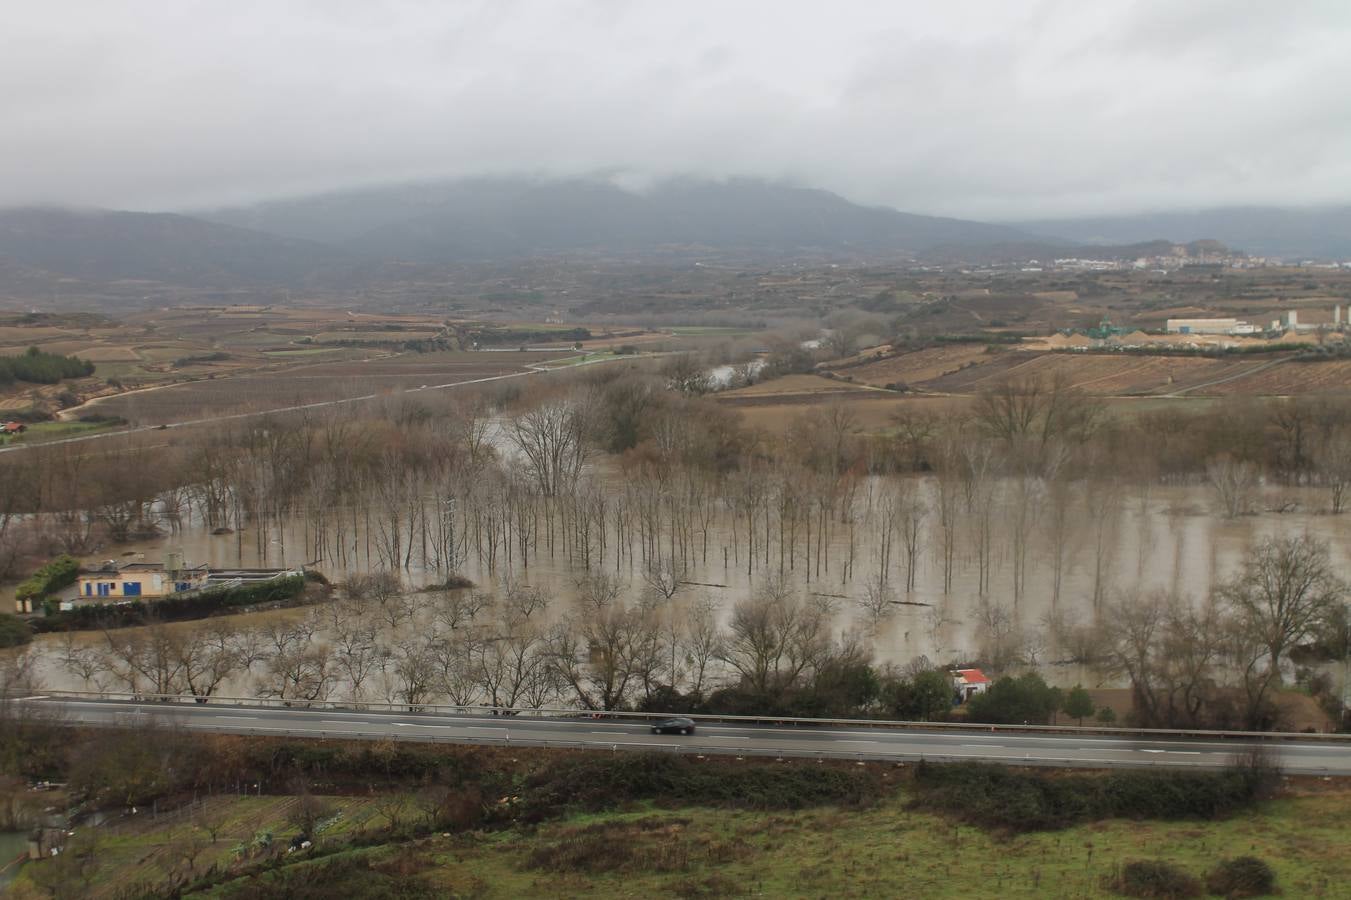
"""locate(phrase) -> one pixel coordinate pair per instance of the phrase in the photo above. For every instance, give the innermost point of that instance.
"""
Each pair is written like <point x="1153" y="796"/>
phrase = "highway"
<point x="1089" y="750"/>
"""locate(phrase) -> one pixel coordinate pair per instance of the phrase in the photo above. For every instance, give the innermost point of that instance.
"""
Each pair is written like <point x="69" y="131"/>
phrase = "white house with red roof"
<point x="969" y="682"/>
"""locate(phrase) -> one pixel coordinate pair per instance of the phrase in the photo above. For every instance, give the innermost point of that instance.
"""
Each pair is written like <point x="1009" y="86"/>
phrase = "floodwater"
<point x="1133" y="541"/>
<point x="13" y="846"/>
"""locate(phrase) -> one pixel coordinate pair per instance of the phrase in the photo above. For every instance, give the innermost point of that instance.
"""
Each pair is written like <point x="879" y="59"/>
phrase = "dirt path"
<point x="531" y="369"/>
<point x="74" y="412"/>
<point x="1226" y="379"/>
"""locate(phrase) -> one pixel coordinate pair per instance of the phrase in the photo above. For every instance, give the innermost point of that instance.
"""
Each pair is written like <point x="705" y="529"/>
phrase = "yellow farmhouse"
<point x="135" y="580"/>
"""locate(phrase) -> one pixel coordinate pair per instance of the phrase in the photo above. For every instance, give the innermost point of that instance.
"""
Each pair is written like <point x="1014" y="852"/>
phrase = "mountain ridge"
<point x="495" y="218"/>
<point x="1285" y="232"/>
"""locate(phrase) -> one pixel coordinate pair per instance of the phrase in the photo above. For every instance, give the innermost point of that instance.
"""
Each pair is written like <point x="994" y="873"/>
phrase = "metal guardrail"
<point x="615" y="715"/>
<point x="697" y="751"/>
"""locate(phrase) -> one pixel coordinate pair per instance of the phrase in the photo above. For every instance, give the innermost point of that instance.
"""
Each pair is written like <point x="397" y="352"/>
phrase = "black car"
<point x="678" y="725"/>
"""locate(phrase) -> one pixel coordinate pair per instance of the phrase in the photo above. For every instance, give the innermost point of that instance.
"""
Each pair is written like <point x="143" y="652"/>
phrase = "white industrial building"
<point x="1209" y="326"/>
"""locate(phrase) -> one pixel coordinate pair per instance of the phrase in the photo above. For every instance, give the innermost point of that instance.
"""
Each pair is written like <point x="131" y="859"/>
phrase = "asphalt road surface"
<point x="1312" y="757"/>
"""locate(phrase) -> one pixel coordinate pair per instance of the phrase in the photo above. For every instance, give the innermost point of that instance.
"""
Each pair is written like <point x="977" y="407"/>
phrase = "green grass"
<point x="888" y="850"/>
<point x="50" y="431"/>
<point x="305" y="351"/>
<point x="893" y="851"/>
<point x="699" y="330"/>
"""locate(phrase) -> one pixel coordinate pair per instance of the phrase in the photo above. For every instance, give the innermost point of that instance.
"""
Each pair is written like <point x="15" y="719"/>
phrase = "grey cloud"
<point x="984" y="109"/>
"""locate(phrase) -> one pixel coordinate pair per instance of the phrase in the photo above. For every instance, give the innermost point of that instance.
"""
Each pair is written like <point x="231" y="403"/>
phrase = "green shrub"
<point x="1154" y="878"/>
<point x="14" y="631"/>
<point x="38" y="367"/>
<point x="1012" y="701"/>
<point x="1004" y="799"/>
<point x="55" y="575"/>
<point x="1245" y="876"/>
<point x="377" y="875"/>
<point x="594" y="783"/>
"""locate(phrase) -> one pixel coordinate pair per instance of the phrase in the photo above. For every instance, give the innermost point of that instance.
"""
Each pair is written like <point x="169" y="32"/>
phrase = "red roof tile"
<point x="973" y="676"/>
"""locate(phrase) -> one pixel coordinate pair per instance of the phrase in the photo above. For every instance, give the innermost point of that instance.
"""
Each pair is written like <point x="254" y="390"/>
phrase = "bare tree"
<point x="703" y="644"/>
<point x="774" y="636"/>
<point x="878" y="602"/>
<point x="1286" y="590"/>
<point x="552" y="438"/>
<point x="208" y="653"/>
<point x="595" y="651"/>
<point x="296" y="667"/>
<point x="664" y="577"/>
<point x="1332" y="462"/>
<point x="414" y="664"/>
<point x="1233" y="481"/>
<point x="82" y="659"/>
<point x="146" y="658"/>
<point x="911" y="511"/>
<point x="1002" y="641"/>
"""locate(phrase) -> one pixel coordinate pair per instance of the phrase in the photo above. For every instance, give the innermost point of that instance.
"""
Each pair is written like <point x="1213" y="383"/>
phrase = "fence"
<point x="616" y="715"/>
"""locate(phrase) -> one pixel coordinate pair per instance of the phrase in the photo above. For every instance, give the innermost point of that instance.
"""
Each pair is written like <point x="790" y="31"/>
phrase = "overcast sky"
<point x="998" y="109"/>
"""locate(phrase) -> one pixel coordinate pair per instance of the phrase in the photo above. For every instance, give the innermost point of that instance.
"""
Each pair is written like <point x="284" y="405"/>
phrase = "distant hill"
<point x="105" y="246"/>
<point x="389" y="238"/>
<point x="1287" y="233"/>
<point x="501" y="218"/>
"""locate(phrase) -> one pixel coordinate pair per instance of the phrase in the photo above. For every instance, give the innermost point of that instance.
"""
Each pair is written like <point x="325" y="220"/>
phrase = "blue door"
<point x="104" y="588"/>
<point x="131" y="589"/>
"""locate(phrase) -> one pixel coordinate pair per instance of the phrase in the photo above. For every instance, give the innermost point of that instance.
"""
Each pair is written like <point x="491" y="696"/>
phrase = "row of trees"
<point x="1025" y="480"/>
<point x="1219" y="663"/>
<point x="38" y="367"/>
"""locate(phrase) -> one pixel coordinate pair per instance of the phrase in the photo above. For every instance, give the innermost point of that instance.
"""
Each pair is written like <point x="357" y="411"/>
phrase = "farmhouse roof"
<point x="112" y="566"/>
<point x="972" y="676"/>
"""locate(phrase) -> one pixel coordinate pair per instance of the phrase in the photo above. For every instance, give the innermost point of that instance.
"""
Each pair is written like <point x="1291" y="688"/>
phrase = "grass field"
<point x="50" y="431"/>
<point x="699" y="330"/>
<point x="316" y="383"/>
<point x="889" y="850"/>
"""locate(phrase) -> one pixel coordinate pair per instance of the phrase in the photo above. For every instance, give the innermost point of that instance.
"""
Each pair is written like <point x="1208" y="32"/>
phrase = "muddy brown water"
<point x="1161" y="539"/>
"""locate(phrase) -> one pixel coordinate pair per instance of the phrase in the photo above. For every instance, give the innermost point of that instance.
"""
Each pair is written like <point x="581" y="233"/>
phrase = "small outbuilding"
<point x="969" y="682"/>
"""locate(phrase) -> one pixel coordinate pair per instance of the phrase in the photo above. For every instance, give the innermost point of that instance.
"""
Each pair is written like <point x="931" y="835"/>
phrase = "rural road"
<point x="1308" y="757"/>
<point x="1226" y="379"/>
<point x="530" y="369"/>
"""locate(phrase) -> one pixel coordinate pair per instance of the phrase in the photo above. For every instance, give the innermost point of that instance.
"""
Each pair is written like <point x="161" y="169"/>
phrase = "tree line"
<point x="39" y="367"/>
<point x="633" y="485"/>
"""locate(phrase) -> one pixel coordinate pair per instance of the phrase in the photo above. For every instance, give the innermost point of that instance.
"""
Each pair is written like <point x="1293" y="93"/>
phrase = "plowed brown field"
<point x="1107" y="375"/>
<point x="918" y="366"/>
<point x="1290" y="378"/>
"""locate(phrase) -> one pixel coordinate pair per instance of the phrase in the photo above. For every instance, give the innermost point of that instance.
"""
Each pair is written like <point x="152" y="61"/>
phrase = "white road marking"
<point x="621" y="733"/>
<point x="727" y="737"/>
<point x="238" y="718"/>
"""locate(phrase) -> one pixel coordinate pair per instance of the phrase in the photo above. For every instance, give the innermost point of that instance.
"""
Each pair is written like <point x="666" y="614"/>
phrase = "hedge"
<point x="1153" y="878"/>
<point x="55" y="575"/>
<point x="171" y="609"/>
<point x="14" y="631"/>
<point x="999" y="798"/>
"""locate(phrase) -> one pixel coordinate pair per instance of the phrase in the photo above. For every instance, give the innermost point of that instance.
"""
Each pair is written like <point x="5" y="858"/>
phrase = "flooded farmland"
<point x="955" y="573"/>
